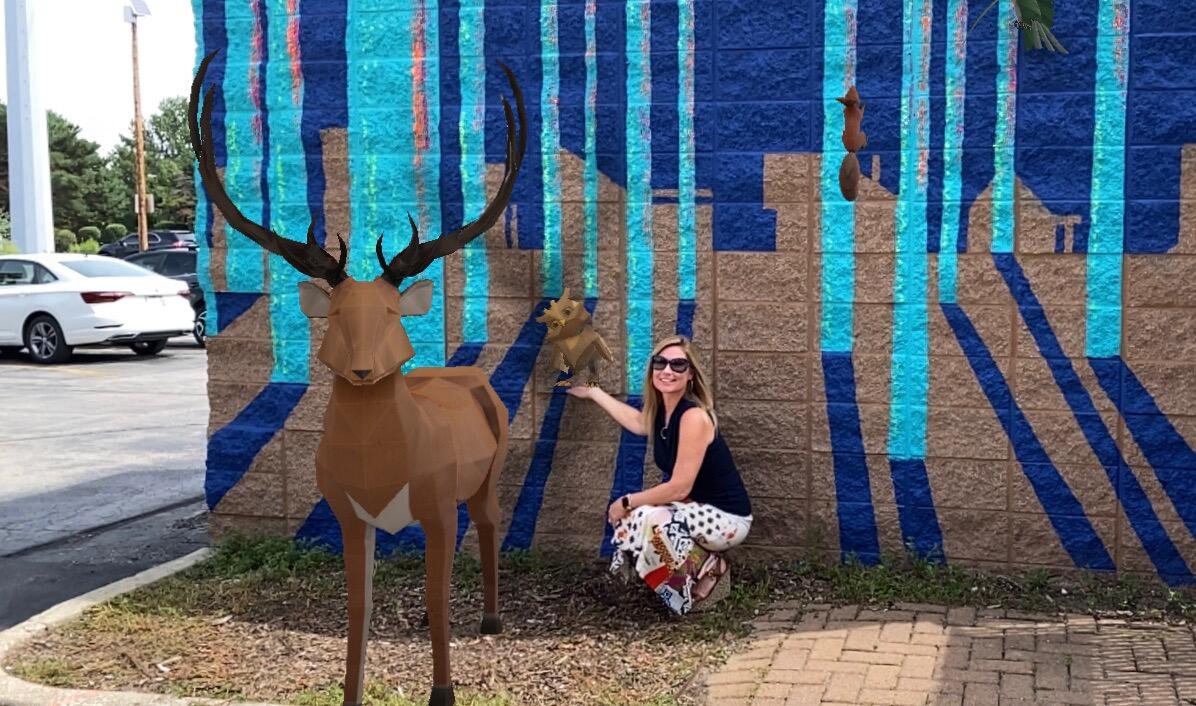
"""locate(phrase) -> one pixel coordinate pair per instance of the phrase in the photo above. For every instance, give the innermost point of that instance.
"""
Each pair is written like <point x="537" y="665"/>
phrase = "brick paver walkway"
<point x="925" y="654"/>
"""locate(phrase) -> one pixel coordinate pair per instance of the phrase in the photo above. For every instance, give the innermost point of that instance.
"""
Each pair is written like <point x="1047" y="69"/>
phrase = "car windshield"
<point x="106" y="267"/>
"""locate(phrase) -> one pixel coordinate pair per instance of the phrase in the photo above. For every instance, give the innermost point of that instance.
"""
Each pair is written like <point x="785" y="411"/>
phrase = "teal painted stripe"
<point x="953" y="132"/>
<point x="242" y="174"/>
<point x="550" y="141"/>
<point x="1106" y="236"/>
<point x="837" y="214"/>
<point x="639" y="193"/>
<point x="591" y="148"/>
<point x="289" y="217"/>
<point x="1003" y="139"/>
<point x="471" y="127"/>
<point x="910" y="377"/>
<point x="427" y="332"/>
<point x="686" y="232"/>
<point x="203" y="256"/>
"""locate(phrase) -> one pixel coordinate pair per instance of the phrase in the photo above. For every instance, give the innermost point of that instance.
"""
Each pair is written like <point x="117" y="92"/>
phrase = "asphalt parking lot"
<point x="101" y="469"/>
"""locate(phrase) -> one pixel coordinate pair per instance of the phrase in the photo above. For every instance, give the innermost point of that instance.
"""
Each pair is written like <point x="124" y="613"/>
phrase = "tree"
<point x="168" y="165"/>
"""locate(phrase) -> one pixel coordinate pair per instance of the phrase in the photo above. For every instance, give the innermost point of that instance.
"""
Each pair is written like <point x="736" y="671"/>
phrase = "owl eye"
<point x="568" y="311"/>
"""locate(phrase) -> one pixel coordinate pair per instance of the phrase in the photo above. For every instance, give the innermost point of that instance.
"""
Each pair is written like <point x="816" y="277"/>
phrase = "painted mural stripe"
<point x="685" y="318"/>
<point x="531" y="495"/>
<point x="232" y="448"/>
<point x="1066" y="515"/>
<point x="511" y="376"/>
<point x="472" y="135"/>
<point x="231" y="305"/>
<point x="243" y="148"/>
<point x="1166" y="450"/>
<point x="953" y="136"/>
<point x="287" y="193"/>
<point x="837" y="213"/>
<point x="1106" y="234"/>
<point x="1006" y="130"/>
<point x="1133" y="499"/>
<point x="853" y="489"/>
<point x="209" y="37"/>
<point x="261" y="99"/>
<point x="639" y="193"/>
<point x="326" y="86"/>
<point x="590" y="184"/>
<point x="629" y="471"/>
<point x="465" y="355"/>
<point x="916" y="513"/>
<point x="686" y="170"/>
<point x="550" y="144"/>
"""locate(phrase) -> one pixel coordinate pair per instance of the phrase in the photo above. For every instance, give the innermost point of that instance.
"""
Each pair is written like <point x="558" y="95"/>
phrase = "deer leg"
<point x="483" y="510"/>
<point x="441" y="533"/>
<point x="358" y="538"/>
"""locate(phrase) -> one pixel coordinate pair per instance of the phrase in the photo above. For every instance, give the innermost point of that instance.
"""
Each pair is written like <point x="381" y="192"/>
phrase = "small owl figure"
<point x="576" y="344"/>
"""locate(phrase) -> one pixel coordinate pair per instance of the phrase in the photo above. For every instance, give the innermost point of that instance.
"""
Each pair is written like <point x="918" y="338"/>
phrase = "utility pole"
<point x="28" y="138"/>
<point x="139" y="9"/>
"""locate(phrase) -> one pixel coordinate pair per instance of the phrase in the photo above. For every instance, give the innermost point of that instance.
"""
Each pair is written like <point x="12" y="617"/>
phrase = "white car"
<point x="52" y="302"/>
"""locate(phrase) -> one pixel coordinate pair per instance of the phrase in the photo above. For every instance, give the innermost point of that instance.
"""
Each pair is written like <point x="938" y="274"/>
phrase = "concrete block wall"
<point x="987" y="358"/>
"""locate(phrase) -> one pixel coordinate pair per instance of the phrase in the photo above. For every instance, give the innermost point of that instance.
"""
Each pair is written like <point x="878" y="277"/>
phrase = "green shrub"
<point x="7" y="247"/>
<point x="91" y="233"/>
<point x="63" y="240"/>
<point x="87" y="247"/>
<point x="113" y="232"/>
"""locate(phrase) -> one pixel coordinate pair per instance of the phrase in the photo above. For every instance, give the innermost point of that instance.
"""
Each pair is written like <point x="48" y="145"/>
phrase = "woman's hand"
<point x="616" y="512"/>
<point x="585" y="392"/>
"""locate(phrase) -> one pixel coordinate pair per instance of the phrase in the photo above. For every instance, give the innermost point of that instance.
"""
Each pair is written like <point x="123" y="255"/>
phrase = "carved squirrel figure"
<point x="854" y="140"/>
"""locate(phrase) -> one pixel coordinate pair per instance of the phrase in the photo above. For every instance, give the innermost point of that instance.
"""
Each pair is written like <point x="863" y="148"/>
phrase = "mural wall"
<point x="988" y="358"/>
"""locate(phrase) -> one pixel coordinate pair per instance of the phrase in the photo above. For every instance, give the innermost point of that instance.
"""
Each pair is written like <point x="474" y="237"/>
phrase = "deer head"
<point x="365" y="341"/>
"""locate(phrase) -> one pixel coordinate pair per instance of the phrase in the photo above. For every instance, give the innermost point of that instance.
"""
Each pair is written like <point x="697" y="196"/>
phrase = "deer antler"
<point x="417" y="256"/>
<point x="309" y="258"/>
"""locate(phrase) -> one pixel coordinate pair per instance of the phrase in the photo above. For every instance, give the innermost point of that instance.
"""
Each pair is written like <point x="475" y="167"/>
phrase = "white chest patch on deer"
<point x="394" y="517"/>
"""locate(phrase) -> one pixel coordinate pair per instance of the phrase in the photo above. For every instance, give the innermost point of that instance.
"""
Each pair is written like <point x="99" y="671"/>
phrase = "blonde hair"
<point x="698" y="391"/>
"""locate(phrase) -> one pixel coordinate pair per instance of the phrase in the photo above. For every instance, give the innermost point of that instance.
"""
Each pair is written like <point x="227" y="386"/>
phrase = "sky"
<point x="84" y="61"/>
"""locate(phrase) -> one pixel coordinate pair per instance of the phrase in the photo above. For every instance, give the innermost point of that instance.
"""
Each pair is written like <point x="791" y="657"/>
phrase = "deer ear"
<point x="313" y="301"/>
<point x="416" y="300"/>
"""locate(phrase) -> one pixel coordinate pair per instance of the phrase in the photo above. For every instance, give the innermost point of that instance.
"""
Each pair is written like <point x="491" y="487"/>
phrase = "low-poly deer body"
<point x="397" y="447"/>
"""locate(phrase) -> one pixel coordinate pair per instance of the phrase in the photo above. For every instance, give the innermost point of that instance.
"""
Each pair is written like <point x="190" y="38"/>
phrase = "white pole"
<point x="28" y="141"/>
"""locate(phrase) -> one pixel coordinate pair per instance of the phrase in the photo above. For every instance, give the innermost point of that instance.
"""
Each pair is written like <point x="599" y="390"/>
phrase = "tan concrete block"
<point x="257" y="494"/>
<point x="874" y="428"/>
<point x="959" y="432"/>
<point x="1034" y="385"/>
<point x="874" y="273"/>
<point x="761" y="326"/>
<point x="1160" y="281"/>
<point x="572" y="171"/>
<point x="1088" y="483"/>
<point x="769" y="472"/>
<point x="1185" y="426"/>
<point x="1068" y="324"/>
<point x="664" y="322"/>
<point x="574" y="509"/>
<point x="967" y="483"/>
<point x="872" y="373"/>
<point x="778" y="521"/>
<point x="978" y="281"/>
<point x="1132" y="557"/>
<point x="1160" y="334"/>
<point x="509" y="271"/>
<point x="788" y="178"/>
<point x="218" y="254"/>
<point x="872" y="330"/>
<point x="227" y="399"/>
<point x="992" y="324"/>
<point x="582" y="464"/>
<point x="221" y="526"/>
<point x="242" y="360"/>
<point x="793" y="227"/>
<point x="1034" y="541"/>
<point x="954" y="383"/>
<point x="308" y="414"/>
<point x="611" y="281"/>
<point x="1063" y="439"/>
<point x="665" y="264"/>
<point x="761" y="276"/>
<point x="975" y="534"/>
<point x="611" y="225"/>
<point x="763" y="376"/>
<point x="875" y="226"/>
<point x="1056" y="279"/>
<point x="779" y="425"/>
<point x="505" y="319"/>
<point x="822" y="527"/>
<point x="1172" y="385"/>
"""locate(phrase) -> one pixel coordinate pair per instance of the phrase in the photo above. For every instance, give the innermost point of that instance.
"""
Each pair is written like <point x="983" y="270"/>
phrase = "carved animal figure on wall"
<point x="575" y="343"/>
<point x="397" y="447"/>
<point x="854" y="140"/>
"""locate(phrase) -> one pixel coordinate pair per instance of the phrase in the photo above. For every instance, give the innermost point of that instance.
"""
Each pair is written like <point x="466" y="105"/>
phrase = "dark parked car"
<point x="180" y="265"/>
<point x="156" y="239"/>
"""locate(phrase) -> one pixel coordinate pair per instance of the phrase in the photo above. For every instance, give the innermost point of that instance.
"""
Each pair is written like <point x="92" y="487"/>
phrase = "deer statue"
<point x="397" y="447"/>
<point x="854" y="140"/>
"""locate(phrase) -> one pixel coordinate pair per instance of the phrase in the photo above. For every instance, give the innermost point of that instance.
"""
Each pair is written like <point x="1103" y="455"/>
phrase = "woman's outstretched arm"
<point x="623" y="413"/>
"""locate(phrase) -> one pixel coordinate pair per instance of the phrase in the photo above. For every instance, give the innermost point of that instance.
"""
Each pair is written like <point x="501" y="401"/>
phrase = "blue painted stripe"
<point x="953" y="136"/>
<point x="1064" y="511"/>
<point x="209" y="37"/>
<point x="1106" y="235"/>
<point x="230" y="306"/>
<point x="465" y="355"/>
<point x="244" y="258"/>
<point x="591" y="148"/>
<point x="1168" y="453"/>
<point x="853" y="489"/>
<point x="639" y="193"/>
<point x="262" y="71"/>
<point x="233" y="447"/>
<point x="286" y="199"/>
<point x="920" y="530"/>
<point x="1006" y="130"/>
<point x="629" y="471"/>
<point x="511" y="376"/>
<point x="472" y="132"/>
<point x="685" y="318"/>
<point x="687" y="277"/>
<point x="531" y="495"/>
<point x="325" y="93"/>
<point x="550" y="144"/>
<point x="837" y="213"/>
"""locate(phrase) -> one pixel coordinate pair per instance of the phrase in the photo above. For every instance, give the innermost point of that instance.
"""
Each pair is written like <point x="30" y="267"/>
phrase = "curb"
<point x="15" y="692"/>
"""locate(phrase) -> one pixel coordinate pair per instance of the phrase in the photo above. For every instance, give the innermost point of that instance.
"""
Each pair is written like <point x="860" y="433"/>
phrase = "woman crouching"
<point x="674" y="534"/>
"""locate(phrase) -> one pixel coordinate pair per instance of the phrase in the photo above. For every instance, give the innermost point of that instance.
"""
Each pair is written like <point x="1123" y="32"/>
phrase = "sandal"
<point x="710" y="578"/>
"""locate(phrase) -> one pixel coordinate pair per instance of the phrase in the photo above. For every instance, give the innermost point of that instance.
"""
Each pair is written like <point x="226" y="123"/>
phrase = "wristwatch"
<point x="626" y="502"/>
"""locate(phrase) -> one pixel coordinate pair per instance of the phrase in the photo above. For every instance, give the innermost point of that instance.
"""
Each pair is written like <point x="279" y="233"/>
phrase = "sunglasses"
<point x="679" y="365"/>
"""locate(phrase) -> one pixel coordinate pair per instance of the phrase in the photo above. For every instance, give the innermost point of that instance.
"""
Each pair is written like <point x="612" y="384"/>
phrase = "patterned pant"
<point x="668" y="545"/>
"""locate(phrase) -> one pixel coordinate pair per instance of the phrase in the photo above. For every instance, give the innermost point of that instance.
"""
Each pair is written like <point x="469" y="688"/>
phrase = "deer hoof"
<point x="491" y="624"/>
<point x="442" y="696"/>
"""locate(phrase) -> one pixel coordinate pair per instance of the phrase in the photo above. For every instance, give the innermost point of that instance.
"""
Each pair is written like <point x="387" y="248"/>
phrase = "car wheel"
<point x="148" y="347"/>
<point x="44" y="339"/>
<point x="200" y="329"/>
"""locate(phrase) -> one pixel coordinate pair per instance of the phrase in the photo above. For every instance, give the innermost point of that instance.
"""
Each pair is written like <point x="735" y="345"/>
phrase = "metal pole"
<point x="28" y="138"/>
<point x="142" y="201"/>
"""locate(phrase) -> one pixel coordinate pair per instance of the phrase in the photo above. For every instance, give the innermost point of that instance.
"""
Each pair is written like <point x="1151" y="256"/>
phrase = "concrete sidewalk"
<point x="926" y="654"/>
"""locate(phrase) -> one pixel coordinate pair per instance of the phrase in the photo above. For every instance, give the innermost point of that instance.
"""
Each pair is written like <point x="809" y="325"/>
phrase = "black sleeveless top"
<point x="718" y="482"/>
